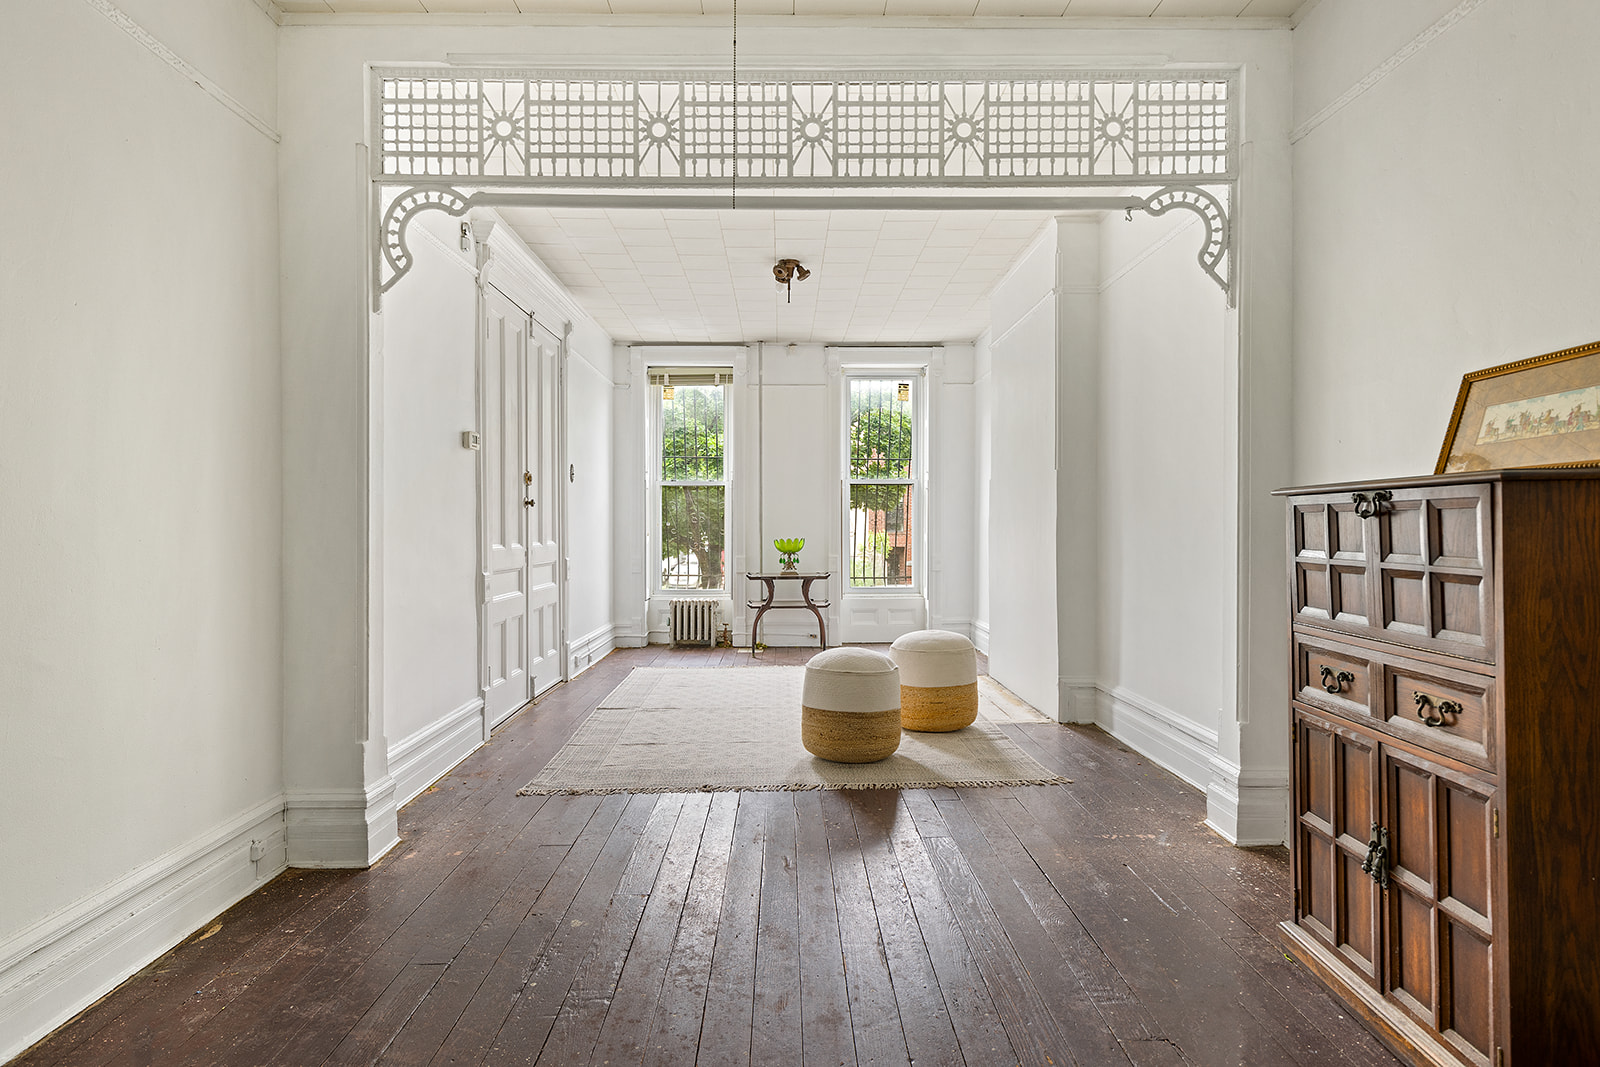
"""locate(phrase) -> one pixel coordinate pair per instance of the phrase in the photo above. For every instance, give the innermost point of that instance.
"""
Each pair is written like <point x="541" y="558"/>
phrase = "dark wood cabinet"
<point x="1445" y="674"/>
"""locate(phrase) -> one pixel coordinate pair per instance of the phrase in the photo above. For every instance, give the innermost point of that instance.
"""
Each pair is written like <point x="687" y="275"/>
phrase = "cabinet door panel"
<point x="1439" y="955"/>
<point x="1336" y="805"/>
<point x="1466" y="1014"/>
<point x="1412" y="952"/>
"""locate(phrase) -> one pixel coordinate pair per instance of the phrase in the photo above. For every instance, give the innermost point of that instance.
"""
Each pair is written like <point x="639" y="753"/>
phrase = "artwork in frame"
<point x="1539" y="412"/>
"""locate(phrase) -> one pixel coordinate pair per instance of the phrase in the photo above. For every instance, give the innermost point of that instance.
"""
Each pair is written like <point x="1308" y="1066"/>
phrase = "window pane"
<point x="692" y="437"/>
<point x="880" y="428"/>
<point x="692" y="549"/>
<point x="880" y="535"/>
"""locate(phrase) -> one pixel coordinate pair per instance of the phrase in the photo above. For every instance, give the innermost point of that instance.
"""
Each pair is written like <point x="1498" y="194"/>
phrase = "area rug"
<point x="666" y="730"/>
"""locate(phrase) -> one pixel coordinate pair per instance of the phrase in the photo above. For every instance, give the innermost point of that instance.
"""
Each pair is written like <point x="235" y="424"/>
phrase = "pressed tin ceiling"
<point x="694" y="275"/>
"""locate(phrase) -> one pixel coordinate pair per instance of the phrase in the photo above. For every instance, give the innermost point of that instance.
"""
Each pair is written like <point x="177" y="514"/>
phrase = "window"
<point x="882" y="481"/>
<point x="692" y="476"/>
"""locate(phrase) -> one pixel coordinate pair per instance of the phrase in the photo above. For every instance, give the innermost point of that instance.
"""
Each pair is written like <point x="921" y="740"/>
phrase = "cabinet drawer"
<point x="1333" y="676"/>
<point x="1446" y="711"/>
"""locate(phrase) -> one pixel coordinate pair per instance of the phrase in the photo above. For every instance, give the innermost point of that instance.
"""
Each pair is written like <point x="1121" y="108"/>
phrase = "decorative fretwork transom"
<point x="506" y="127"/>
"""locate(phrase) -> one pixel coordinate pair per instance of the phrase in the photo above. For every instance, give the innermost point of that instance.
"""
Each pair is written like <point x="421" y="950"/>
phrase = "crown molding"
<point x="1014" y="23"/>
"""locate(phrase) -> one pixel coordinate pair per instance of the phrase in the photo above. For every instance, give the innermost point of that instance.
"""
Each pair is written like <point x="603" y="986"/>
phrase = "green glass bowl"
<point x="789" y="545"/>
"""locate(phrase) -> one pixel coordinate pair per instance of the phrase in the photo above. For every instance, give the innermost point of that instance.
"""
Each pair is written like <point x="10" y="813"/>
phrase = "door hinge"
<point x="1495" y="819"/>
<point x="1499" y="1056"/>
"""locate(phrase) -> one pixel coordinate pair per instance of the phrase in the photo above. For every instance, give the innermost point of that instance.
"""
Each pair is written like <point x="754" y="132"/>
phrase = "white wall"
<point x="426" y="356"/>
<point x="430" y="488"/>
<point x="1444" y="218"/>
<point x="983" y="469"/>
<point x="1022" y="477"/>
<point x="1166" y="484"/>
<point x="791" y="493"/>
<point x="786" y="457"/>
<point x="954" y="447"/>
<point x="590" y="519"/>
<point x="140" y="553"/>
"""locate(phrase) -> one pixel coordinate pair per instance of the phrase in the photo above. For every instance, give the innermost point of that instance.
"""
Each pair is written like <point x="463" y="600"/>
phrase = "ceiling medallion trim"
<point x="500" y="133"/>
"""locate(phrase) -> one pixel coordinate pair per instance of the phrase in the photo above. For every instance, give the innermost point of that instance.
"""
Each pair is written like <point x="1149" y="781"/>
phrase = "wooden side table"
<point x="770" y="579"/>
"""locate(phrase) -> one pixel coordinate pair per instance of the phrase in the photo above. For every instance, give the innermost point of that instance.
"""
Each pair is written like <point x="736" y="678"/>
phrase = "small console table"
<point x="769" y="580"/>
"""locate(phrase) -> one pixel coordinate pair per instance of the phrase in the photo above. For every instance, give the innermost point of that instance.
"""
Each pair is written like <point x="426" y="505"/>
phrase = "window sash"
<point x="677" y="575"/>
<point x="884" y="556"/>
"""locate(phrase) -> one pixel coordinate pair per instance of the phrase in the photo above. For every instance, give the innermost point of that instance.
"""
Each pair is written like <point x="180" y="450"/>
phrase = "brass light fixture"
<point x="789" y="271"/>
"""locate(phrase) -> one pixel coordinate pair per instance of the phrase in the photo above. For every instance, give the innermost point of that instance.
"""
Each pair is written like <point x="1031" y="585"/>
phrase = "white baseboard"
<point x="630" y="640"/>
<point x="586" y="651"/>
<point x="342" y="828"/>
<point x="427" y="755"/>
<point x="955" y="626"/>
<point x="1248" y="807"/>
<point x="60" y="965"/>
<point x="980" y="636"/>
<point x="1078" y="700"/>
<point x="1179" y="744"/>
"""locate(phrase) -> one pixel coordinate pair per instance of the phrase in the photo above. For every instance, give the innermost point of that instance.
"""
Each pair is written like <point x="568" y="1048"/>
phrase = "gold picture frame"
<point x="1539" y="412"/>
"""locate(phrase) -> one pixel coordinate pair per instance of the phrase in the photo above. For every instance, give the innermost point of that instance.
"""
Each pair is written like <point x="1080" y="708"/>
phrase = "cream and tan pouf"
<point x="938" y="680"/>
<point x="850" y="706"/>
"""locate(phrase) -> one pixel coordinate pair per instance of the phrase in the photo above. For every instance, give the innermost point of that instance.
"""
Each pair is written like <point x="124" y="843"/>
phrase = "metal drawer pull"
<point x="1376" y="504"/>
<point x="1335" y="683"/>
<point x="1377" y="861"/>
<point x="1431" y="714"/>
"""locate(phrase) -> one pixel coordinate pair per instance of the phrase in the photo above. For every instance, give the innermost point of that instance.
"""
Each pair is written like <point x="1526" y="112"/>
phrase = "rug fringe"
<point x="791" y="787"/>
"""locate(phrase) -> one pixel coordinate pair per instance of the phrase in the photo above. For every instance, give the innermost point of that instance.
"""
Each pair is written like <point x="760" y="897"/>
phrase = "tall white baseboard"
<point x="342" y="828"/>
<point x="980" y="635"/>
<point x="60" y="965"/>
<point x="1179" y="744"/>
<point x="1079" y="700"/>
<point x="954" y="625"/>
<point x="1248" y="807"/>
<point x="589" y="649"/>
<point x="427" y="755"/>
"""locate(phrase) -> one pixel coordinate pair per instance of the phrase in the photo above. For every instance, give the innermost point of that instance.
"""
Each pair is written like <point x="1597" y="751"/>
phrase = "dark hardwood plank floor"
<point x="1091" y="923"/>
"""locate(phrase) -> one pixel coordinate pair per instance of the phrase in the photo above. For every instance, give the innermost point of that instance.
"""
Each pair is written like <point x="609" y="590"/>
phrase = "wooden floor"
<point x="1092" y="923"/>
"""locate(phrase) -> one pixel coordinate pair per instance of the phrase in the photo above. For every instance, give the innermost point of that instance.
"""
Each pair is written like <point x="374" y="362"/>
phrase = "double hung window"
<point x="692" y="476"/>
<point x="883" y="465"/>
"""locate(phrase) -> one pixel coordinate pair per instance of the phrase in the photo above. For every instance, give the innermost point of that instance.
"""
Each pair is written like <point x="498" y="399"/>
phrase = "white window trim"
<point x="653" y="487"/>
<point x="922" y="394"/>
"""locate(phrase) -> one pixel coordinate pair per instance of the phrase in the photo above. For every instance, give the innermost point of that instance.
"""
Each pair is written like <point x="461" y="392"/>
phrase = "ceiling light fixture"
<point x="789" y="271"/>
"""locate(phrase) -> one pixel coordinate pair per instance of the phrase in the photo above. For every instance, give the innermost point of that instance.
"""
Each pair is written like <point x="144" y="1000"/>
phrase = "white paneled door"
<point x="541" y="478"/>
<point x="521" y="624"/>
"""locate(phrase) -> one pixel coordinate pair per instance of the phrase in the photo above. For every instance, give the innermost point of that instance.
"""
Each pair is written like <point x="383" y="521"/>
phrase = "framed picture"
<point x="1539" y="412"/>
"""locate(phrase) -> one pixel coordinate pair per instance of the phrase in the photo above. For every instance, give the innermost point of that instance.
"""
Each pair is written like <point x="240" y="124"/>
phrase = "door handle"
<point x="1377" y="862"/>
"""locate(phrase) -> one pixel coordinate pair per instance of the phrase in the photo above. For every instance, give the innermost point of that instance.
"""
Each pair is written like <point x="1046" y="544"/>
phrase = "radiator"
<point x="694" y="622"/>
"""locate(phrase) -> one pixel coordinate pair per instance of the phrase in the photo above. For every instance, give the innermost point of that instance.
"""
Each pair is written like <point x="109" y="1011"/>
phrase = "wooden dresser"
<point x="1445" y="663"/>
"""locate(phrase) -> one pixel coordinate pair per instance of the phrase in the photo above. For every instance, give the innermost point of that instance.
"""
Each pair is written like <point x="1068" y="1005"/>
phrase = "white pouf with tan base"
<point x="938" y="680"/>
<point x="850" y="706"/>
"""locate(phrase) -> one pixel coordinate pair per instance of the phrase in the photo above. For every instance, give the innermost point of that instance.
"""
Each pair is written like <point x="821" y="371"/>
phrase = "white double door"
<point x="521" y="512"/>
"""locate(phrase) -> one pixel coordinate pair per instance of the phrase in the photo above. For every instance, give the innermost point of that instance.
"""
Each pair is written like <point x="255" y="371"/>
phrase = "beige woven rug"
<point x="667" y="730"/>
